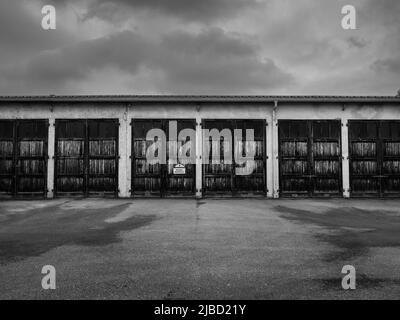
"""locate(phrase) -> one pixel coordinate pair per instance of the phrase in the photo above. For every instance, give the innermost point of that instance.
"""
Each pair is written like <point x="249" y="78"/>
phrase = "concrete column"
<point x="269" y="154"/>
<point x="128" y="172"/>
<point x="345" y="159"/>
<point x="124" y="152"/>
<point x="50" y="161"/>
<point x="199" y="158"/>
<point x="275" y="151"/>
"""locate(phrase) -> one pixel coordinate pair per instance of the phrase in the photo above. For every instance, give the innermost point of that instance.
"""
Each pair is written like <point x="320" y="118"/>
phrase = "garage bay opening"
<point x="86" y="158"/>
<point x="310" y="158"/>
<point x="374" y="148"/>
<point x="174" y="173"/>
<point x="223" y="173"/>
<point x="23" y="158"/>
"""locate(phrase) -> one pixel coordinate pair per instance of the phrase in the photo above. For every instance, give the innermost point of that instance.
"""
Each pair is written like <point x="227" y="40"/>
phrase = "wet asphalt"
<point x="200" y="249"/>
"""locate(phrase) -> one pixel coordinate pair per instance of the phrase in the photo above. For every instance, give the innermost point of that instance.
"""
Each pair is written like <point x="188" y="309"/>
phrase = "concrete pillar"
<point x="269" y="154"/>
<point x="345" y="159"/>
<point x="275" y="151"/>
<point x="124" y="153"/>
<point x="128" y="172"/>
<point x="199" y="158"/>
<point x="50" y="161"/>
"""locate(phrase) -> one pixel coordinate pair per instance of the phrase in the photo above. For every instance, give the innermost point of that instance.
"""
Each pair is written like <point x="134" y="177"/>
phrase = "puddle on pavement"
<point x="42" y="229"/>
<point x="362" y="282"/>
<point x="352" y="230"/>
<point x="199" y="203"/>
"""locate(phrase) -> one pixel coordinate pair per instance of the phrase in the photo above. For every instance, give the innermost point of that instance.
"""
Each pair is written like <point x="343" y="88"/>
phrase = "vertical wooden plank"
<point x="310" y="142"/>
<point x="379" y="147"/>
<point x="86" y="160"/>
<point x="15" y="144"/>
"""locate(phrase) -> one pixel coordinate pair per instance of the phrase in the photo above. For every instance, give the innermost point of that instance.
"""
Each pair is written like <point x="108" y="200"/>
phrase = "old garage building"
<point x="305" y="146"/>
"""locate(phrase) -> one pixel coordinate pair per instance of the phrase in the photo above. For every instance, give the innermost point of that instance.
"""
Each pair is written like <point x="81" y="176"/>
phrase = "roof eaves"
<point x="199" y="98"/>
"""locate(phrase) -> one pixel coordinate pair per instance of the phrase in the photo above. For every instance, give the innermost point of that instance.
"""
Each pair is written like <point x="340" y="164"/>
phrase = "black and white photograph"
<point x="217" y="152"/>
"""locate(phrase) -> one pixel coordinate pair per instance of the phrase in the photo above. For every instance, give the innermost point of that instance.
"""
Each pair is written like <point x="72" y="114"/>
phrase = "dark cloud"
<point x="21" y="31"/>
<point x="53" y="69"/>
<point x="387" y="12"/>
<point x="387" y="65"/>
<point x="162" y="51"/>
<point x="214" y="61"/>
<point x="210" y="62"/>
<point x="196" y="10"/>
<point x="188" y="10"/>
<point x="125" y="50"/>
<point x="357" y="42"/>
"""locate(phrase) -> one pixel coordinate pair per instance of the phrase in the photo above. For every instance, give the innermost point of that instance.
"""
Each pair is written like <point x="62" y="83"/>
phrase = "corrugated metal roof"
<point x="200" y="98"/>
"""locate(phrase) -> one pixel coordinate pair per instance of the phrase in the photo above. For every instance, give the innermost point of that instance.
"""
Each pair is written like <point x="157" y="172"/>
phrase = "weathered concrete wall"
<point x="270" y="112"/>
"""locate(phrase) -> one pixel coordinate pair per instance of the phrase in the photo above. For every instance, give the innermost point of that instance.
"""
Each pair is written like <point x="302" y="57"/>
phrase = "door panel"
<point x="86" y="157"/>
<point x="146" y="177"/>
<point x="102" y="157"/>
<point x="309" y="157"/>
<point x="364" y="166"/>
<point x="293" y="150"/>
<point x="218" y="172"/>
<point x="374" y="158"/>
<point x="70" y="157"/>
<point x="7" y="171"/>
<point x="158" y="179"/>
<point x="181" y="184"/>
<point x="326" y="157"/>
<point x="227" y="177"/>
<point x="23" y="158"/>
<point x="389" y="138"/>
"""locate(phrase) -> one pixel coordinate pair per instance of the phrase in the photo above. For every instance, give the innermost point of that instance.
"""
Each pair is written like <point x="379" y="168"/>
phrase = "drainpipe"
<point x="199" y="151"/>
<point x="275" y="160"/>
<point x="274" y="111"/>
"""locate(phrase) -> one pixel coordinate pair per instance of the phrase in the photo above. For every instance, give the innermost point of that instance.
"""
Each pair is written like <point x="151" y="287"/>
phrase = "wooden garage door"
<point x="374" y="148"/>
<point x="160" y="179"/>
<point x="86" y="158"/>
<point x="23" y="158"/>
<point x="310" y="158"/>
<point x="220" y="178"/>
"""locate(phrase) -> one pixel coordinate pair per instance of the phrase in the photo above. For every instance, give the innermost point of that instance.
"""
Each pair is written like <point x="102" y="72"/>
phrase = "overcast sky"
<point x="200" y="47"/>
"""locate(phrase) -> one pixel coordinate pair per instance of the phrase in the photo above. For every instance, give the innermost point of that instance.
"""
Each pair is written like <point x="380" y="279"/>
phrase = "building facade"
<point x="304" y="146"/>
